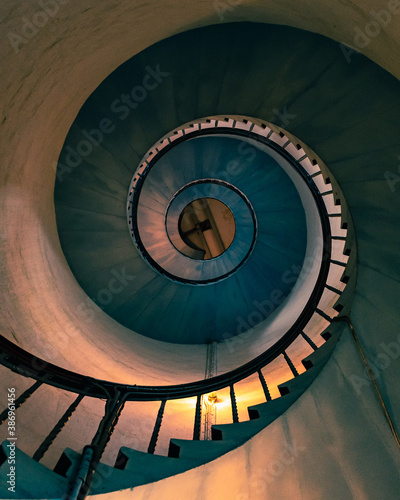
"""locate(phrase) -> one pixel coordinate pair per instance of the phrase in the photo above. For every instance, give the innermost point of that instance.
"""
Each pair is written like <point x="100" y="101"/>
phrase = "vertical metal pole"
<point x="264" y="386"/>
<point x="210" y="409"/>
<point x="82" y="473"/>
<point x="157" y="426"/>
<point x="333" y="289"/>
<point x="339" y="263"/>
<point x="18" y="402"/>
<point x="323" y="315"/>
<point x="39" y="453"/>
<point x="290" y="363"/>
<point x="309" y="341"/>
<point x="235" y="414"/>
<point x="99" y="442"/>
<point x="197" y="419"/>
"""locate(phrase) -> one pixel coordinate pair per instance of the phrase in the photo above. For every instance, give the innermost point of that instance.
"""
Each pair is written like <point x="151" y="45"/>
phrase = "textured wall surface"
<point x="48" y="74"/>
<point x="46" y="82"/>
<point x="330" y="444"/>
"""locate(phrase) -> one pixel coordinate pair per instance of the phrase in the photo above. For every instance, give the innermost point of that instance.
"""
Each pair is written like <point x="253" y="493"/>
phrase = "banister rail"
<point x="116" y="394"/>
<point x="25" y="363"/>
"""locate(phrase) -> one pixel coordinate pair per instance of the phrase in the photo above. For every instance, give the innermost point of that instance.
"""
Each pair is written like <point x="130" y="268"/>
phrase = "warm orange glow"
<point x="211" y="399"/>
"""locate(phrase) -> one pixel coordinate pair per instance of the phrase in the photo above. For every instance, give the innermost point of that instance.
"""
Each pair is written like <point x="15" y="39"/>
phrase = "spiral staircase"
<point x="111" y="387"/>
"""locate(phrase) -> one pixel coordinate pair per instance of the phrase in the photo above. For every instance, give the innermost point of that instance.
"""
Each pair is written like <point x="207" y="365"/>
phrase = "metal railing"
<point x="116" y="394"/>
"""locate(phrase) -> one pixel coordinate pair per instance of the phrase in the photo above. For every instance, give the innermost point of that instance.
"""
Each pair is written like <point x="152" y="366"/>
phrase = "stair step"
<point x="323" y="353"/>
<point x="199" y="452"/>
<point x="106" y="478"/>
<point x="27" y="472"/>
<point x="293" y="388"/>
<point x="148" y="466"/>
<point x="239" y="432"/>
<point x="313" y="364"/>
<point x="271" y="410"/>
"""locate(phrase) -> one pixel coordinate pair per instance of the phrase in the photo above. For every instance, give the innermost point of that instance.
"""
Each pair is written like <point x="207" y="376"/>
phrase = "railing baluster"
<point x="100" y="440"/>
<point x="324" y="315"/>
<point x="290" y="363"/>
<point x="39" y="453"/>
<point x="339" y="263"/>
<point x="309" y="341"/>
<point x="19" y="401"/>
<point x="264" y="386"/>
<point x="197" y="419"/>
<point x="156" y="431"/>
<point x="235" y="415"/>
<point x="333" y="289"/>
<point x="82" y="473"/>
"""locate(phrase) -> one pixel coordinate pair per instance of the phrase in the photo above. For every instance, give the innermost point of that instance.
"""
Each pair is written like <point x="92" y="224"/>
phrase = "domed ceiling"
<point x="140" y="274"/>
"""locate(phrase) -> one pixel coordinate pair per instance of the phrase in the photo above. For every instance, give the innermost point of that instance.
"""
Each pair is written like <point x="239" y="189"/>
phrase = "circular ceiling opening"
<point x="207" y="226"/>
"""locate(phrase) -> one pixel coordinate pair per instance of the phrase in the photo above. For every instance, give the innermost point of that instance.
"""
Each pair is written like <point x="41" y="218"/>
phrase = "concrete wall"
<point x="332" y="443"/>
<point x="45" y="82"/>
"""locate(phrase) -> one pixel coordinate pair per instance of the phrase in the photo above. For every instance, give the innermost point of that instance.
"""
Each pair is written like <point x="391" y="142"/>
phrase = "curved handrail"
<point x="25" y="363"/>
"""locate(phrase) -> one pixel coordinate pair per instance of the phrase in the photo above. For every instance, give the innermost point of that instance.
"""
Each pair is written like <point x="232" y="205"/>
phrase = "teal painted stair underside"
<point x="296" y="79"/>
<point x="91" y="215"/>
<point x="135" y="468"/>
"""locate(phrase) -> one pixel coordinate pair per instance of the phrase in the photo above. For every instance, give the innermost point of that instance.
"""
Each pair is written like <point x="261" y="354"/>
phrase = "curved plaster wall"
<point x="46" y="83"/>
<point x="87" y="337"/>
<point x="350" y="453"/>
